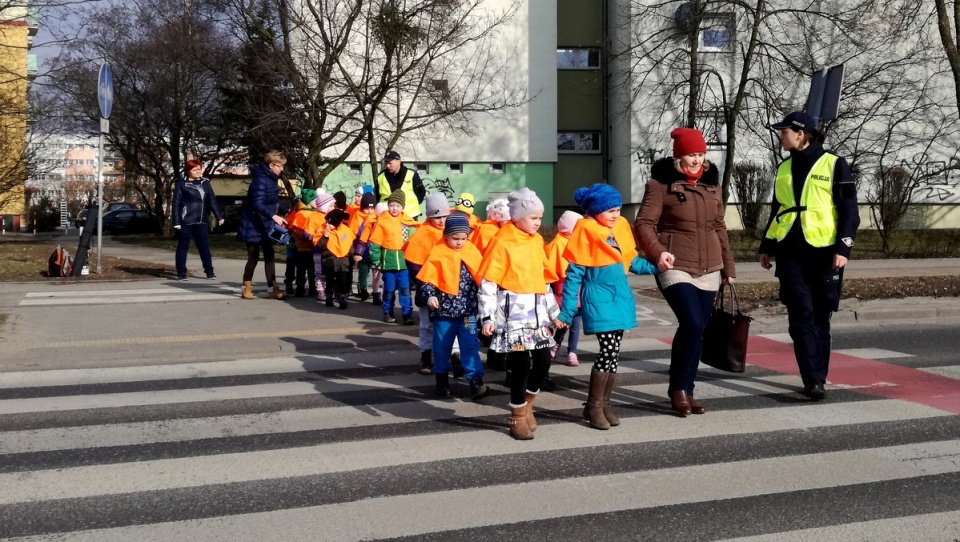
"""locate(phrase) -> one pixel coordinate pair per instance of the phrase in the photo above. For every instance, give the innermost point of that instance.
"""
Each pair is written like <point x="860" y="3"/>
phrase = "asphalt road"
<point x="172" y="411"/>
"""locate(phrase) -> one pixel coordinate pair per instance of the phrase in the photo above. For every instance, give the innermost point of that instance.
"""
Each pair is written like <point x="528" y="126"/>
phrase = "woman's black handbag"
<point x="725" y="337"/>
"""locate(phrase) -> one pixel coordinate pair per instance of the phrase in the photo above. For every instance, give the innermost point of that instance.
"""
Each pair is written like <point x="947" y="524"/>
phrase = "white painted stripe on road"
<point x="240" y="367"/>
<point x="949" y="371"/>
<point x="185" y="430"/>
<point x="779" y="337"/>
<point x="140" y="291"/>
<point x="121" y="300"/>
<point x="226" y="393"/>
<point x="872" y="353"/>
<point x="942" y="526"/>
<point x="388" y="517"/>
<point x="163" y="474"/>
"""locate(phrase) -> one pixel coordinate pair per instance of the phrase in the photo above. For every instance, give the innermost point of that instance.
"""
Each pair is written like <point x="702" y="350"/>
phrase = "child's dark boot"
<point x="478" y="390"/>
<point x="426" y="362"/>
<point x="443" y="386"/>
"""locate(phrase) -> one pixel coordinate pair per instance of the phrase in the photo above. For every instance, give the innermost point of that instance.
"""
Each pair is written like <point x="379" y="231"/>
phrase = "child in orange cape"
<point x="361" y="224"/>
<point x="336" y="250"/>
<point x="448" y="280"/>
<point x="300" y="262"/>
<point x="556" y="262"/>
<point x="418" y="248"/>
<point x="498" y="214"/>
<point x="517" y="306"/>
<point x="389" y="237"/>
<point x="600" y="252"/>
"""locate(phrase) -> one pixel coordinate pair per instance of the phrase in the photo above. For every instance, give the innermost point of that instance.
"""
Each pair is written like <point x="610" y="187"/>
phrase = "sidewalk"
<point x="851" y="310"/>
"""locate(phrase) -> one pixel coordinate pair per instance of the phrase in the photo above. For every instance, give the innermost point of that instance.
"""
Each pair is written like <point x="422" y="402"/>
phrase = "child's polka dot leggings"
<point x="609" y="351"/>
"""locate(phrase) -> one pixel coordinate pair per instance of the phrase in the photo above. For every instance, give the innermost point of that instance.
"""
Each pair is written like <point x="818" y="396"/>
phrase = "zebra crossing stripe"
<point x="349" y="456"/>
<point x="511" y="503"/>
<point x="113" y="297"/>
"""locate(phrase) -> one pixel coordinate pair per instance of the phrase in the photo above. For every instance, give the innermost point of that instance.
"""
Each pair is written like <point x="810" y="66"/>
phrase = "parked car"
<point x="81" y="219"/>
<point x="117" y="205"/>
<point x="128" y="221"/>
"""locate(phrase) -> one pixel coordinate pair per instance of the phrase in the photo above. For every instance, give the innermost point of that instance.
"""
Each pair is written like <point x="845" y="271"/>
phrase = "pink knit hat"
<point x="567" y="221"/>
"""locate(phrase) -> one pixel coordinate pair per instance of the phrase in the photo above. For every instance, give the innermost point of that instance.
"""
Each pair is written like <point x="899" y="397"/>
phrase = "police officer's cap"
<point x="798" y="121"/>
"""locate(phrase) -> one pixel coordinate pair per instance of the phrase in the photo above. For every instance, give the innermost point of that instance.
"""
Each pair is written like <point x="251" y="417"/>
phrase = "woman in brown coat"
<point x="680" y="227"/>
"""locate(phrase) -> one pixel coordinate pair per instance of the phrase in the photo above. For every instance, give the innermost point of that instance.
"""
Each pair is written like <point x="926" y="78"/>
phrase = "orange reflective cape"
<point x="484" y="232"/>
<point x="442" y="266"/>
<point x="422" y="242"/>
<point x="588" y="244"/>
<point x="555" y="260"/>
<point x="388" y="232"/>
<point x="340" y="241"/>
<point x="358" y="219"/>
<point x="516" y="261"/>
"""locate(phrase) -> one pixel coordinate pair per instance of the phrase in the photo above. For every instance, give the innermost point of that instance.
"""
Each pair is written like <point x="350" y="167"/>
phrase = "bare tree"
<point x="367" y="73"/>
<point x="757" y="67"/>
<point x="751" y="184"/>
<point x="948" y="26"/>
<point x="169" y="60"/>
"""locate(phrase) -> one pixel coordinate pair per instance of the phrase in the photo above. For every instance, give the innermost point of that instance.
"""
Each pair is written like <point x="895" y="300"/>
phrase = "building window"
<point x="90" y="162"/>
<point x="422" y="169"/>
<point x="498" y="168"/>
<point x="578" y="59"/>
<point x="355" y="169"/>
<point x="455" y="169"/>
<point x="713" y="126"/>
<point x="440" y="89"/>
<point x="717" y="33"/>
<point x="578" y="142"/>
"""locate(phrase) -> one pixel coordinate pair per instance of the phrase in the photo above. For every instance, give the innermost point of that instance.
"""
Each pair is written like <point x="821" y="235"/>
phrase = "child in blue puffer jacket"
<point x="600" y="251"/>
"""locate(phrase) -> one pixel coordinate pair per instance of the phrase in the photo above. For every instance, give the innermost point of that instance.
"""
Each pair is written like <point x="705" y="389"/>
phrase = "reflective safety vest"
<point x="818" y="214"/>
<point x="412" y="207"/>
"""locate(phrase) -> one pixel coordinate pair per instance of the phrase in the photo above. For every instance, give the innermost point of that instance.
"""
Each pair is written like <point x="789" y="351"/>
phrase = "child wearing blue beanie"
<point x="600" y="251"/>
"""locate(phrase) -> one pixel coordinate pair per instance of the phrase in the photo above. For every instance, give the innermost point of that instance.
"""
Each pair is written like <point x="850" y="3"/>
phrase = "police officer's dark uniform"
<point x="813" y="217"/>
<point x="404" y="179"/>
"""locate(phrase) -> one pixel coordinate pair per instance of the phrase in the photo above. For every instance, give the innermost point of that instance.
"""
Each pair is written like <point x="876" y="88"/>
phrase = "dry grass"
<point x="26" y="260"/>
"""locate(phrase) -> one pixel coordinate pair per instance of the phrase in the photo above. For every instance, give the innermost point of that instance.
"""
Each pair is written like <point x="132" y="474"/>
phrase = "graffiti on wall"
<point x="940" y="183"/>
<point x="442" y="186"/>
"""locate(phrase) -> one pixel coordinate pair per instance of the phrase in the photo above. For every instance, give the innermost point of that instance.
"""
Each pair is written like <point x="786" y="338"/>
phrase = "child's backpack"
<point x="60" y="263"/>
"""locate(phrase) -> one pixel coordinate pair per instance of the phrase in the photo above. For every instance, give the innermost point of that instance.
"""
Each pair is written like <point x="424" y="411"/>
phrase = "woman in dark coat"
<point x="680" y="227"/>
<point x="262" y="207"/>
<point x="193" y="201"/>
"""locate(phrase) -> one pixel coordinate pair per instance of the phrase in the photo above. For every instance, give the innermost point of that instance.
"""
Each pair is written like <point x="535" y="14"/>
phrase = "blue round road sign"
<point x="105" y="90"/>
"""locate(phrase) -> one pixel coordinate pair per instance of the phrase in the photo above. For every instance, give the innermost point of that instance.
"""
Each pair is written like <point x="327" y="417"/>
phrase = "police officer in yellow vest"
<point x="813" y="222"/>
<point x="396" y="176"/>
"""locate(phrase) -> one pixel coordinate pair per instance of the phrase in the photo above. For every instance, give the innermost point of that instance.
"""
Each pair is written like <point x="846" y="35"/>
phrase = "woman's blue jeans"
<point x="692" y="307"/>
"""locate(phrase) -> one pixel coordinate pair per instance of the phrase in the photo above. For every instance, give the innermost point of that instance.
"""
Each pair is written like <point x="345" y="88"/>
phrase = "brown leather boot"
<point x="612" y="418"/>
<point x="695" y="406"/>
<point x="276" y="292"/>
<point x="531" y="421"/>
<point x="518" y="423"/>
<point x="680" y="403"/>
<point x="247" y="291"/>
<point x="593" y="409"/>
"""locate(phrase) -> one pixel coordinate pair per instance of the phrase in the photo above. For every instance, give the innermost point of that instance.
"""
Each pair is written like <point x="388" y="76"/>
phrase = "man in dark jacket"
<point x="813" y="222"/>
<point x="396" y="176"/>
<point x="193" y="201"/>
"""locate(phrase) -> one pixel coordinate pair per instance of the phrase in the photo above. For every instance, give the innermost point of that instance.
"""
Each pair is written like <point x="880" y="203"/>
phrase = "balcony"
<point x="33" y="21"/>
<point x="31" y="67"/>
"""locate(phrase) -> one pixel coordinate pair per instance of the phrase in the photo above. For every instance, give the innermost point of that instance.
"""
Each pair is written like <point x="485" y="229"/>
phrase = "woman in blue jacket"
<point x="600" y="252"/>
<point x="262" y="207"/>
<point x="193" y="201"/>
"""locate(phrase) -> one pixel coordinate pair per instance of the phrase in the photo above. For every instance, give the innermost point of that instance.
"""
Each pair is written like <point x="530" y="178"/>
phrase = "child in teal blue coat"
<point x="601" y="250"/>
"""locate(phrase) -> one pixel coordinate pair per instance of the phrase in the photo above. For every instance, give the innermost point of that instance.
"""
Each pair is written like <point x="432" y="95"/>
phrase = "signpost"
<point x="105" y="98"/>
<point x="823" y="102"/>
